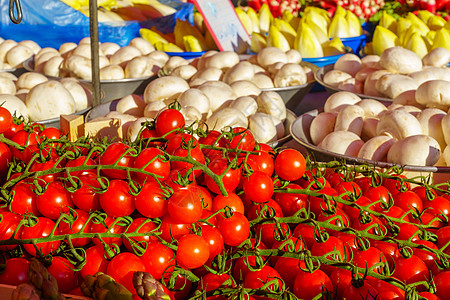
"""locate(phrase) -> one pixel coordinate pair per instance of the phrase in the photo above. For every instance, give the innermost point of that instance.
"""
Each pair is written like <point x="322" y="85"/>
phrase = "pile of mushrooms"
<point x="137" y="60"/>
<point x="13" y="54"/>
<point x="270" y="68"/>
<point x="396" y="74"/>
<point x="36" y="98"/>
<point x="368" y="129"/>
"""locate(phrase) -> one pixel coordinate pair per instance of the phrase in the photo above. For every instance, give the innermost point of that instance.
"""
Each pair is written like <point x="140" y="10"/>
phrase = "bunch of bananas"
<point x="420" y="33"/>
<point x="315" y="34"/>
<point x="185" y="38"/>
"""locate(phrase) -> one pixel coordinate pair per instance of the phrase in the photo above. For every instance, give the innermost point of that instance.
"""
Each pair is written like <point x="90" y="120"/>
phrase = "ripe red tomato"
<point x="396" y="184"/>
<point x="211" y="282"/>
<point x="15" y="272"/>
<point x="171" y="228"/>
<point x="368" y="258"/>
<point x="42" y="228"/>
<point x="100" y="227"/>
<point x="214" y="239"/>
<point x="439" y="205"/>
<point x="122" y="268"/>
<point x="115" y="153"/>
<point x="185" y="206"/>
<point x="306" y="232"/>
<point x="62" y="269"/>
<point x="117" y="200"/>
<point x="258" y="187"/>
<point x="287" y="267"/>
<point x="269" y="209"/>
<point x="23" y="138"/>
<point x="331" y="244"/>
<point x="243" y="139"/>
<point x="24" y="200"/>
<point x="428" y="257"/>
<point x="233" y="201"/>
<point x="50" y="133"/>
<point x="5" y="158"/>
<point x="6" y="120"/>
<point x="442" y="282"/>
<point x="230" y="177"/>
<point x="8" y="224"/>
<point x="193" y="251"/>
<point x="269" y="233"/>
<point x="169" y="120"/>
<point x="341" y="279"/>
<point x="410" y="270"/>
<point x="308" y="285"/>
<point x="256" y="279"/>
<point x="350" y="187"/>
<point x="366" y="291"/>
<point x="86" y="197"/>
<point x="194" y="153"/>
<point x="79" y="161"/>
<point x="290" y="164"/>
<point x="408" y="200"/>
<point x="375" y="194"/>
<point x="291" y="203"/>
<point x="54" y="201"/>
<point x="96" y="261"/>
<point x="36" y="166"/>
<point x="13" y="129"/>
<point x="157" y="258"/>
<point x="81" y="218"/>
<point x="152" y="160"/>
<point x="234" y="229"/>
<point x="263" y="161"/>
<point x="150" y="201"/>
<point x="212" y="139"/>
<point x="140" y="225"/>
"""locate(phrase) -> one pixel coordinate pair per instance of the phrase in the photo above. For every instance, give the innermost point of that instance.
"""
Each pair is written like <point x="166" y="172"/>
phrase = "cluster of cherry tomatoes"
<point x="216" y="215"/>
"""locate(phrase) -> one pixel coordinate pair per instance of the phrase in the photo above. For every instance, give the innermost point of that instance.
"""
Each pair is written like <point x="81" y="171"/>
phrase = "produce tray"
<point x="319" y="78"/>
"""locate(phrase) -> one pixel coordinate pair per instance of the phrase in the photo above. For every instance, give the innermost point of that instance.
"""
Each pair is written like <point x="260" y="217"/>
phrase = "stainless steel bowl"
<point x="320" y="73"/>
<point x="300" y="129"/>
<point x="293" y="95"/>
<point x="112" y="89"/>
<point x="104" y="108"/>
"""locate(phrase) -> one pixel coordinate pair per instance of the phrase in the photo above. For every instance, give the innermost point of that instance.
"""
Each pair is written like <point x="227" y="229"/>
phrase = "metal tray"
<point x="104" y="108"/>
<point x="319" y="78"/>
<point x="112" y="89"/>
<point x="300" y="133"/>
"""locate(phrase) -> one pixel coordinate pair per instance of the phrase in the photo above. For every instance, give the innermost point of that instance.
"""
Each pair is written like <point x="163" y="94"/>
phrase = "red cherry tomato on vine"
<point x="122" y="268"/>
<point x="15" y="272"/>
<point x="117" y="200"/>
<point x="8" y="224"/>
<point x="96" y="261"/>
<point x="214" y="239"/>
<point x="234" y="229"/>
<point x="408" y="201"/>
<point x="13" y="129"/>
<point x="442" y="282"/>
<point x="256" y="279"/>
<point x="152" y="160"/>
<point x="62" y="269"/>
<point x="243" y="139"/>
<point x="195" y="153"/>
<point x="308" y="285"/>
<point x="290" y="164"/>
<point x="24" y="200"/>
<point x="193" y="251"/>
<point x="291" y="203"/>
<point x="115" y="152"/>
<point x="168" y="120"/>
<point x="6" y="120"/>
<point x="185" y="205"/>
<point x="230" y="178"/>
<point x="42" y="228"/>
<point x="54" y="201"/>
<point x="86" y="197"/>
<point x="23" y="138"/>
<point x="258" y="187"/>
<point x="172" y="229"/>
<point x="150" y="202"/>
<point x="79" y="221"/>
<point x="157" y="258"/>
<point x="80" y="161"/>
<point x="411" y="270"/>
<point x="99" y="227"/>
<point x="50" y="133"/>
<point x="5" y="158"/>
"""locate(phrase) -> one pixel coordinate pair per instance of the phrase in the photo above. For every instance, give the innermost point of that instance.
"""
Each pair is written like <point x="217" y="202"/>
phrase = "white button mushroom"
<point x="342" y="142"/>
<point x="376" y="148"/>
<point x="417" y="150"/>
<point x="271" y="103"/>
<point x="398" y="124"/>
<point x="165" y="88"/>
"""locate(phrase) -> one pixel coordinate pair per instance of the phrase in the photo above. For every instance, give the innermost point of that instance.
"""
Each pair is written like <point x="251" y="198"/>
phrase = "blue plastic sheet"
<point x="51" y="23"/>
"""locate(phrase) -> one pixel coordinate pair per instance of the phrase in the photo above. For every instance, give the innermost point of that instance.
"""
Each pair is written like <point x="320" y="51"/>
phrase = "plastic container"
<point x="355" y="43"/>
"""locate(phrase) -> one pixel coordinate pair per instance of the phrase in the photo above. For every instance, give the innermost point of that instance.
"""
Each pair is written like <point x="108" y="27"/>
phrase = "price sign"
<point x="224" y="24"/>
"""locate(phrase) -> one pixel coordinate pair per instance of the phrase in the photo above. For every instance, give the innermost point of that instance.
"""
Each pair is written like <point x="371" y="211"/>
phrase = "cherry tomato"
<point x="23" y="138"/>
<point x="290" y="164"/>
<point x="408" y="200"/>
<point x="341" y="279"/>
<point x="50" y="133"/>
<point x="115" y="153"/>
<point x="122" y="268"/>
<point x="234" y="229"/>
<point x="169" y="120"/>
<point x="171" y="228"/>
<point x="368" y="258"/>
<point x="214" y="239"/>
<point x="8" y="224"/>
<point x="442" y="282"/>
<point x="80" y="219"/>
<point x="350" y="187"/>
<point x="185" y="206"/>
<point x="256" y="279"/>
<point x="42" y="228"/>
<point x="308" y="285"/>
<point x="410" y="270"/>
<point x="233" y="201"/>
<point x="211" y="282"/>
<point x="439" y="205"/>
<point x="79" y="161"/>
<point x="377" y="194"/>
<point x="212" y="139"/>
<point x="291" y="203"/>
<point x="86" y="197"/>
<point x="96" y="261"/>
<point x="150" y="201"/>
<point x="267" y="210"/>
<point x="152" y="160"/>
<point x="117" y="200"/>
<point x="24" y="200"/>
<point x="396" y="184"/>
<point x="258" y="187"/>
<point x="157" y="258"/>
<point x="54" y="201"/>
<point x="6" y="120"/>
<point x="366" y="291"/>
<point x="193" y="251"/>
<point x="194" y="153"/>
<point x="243" y="139"/>
<point x="100" y="227"/>
<point x="140" y="225"/>
<point x="331" y="244"/>
<point x="62" y="269"/>
<point x="36" y="166"/>
<point x="269" y="233"/>
<point x="263" y="161"/>
<point x="230" y="177"/>
<point x="15" y="272"/>
<point x="13" y="129"/>
<point x="5" y="159"/>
